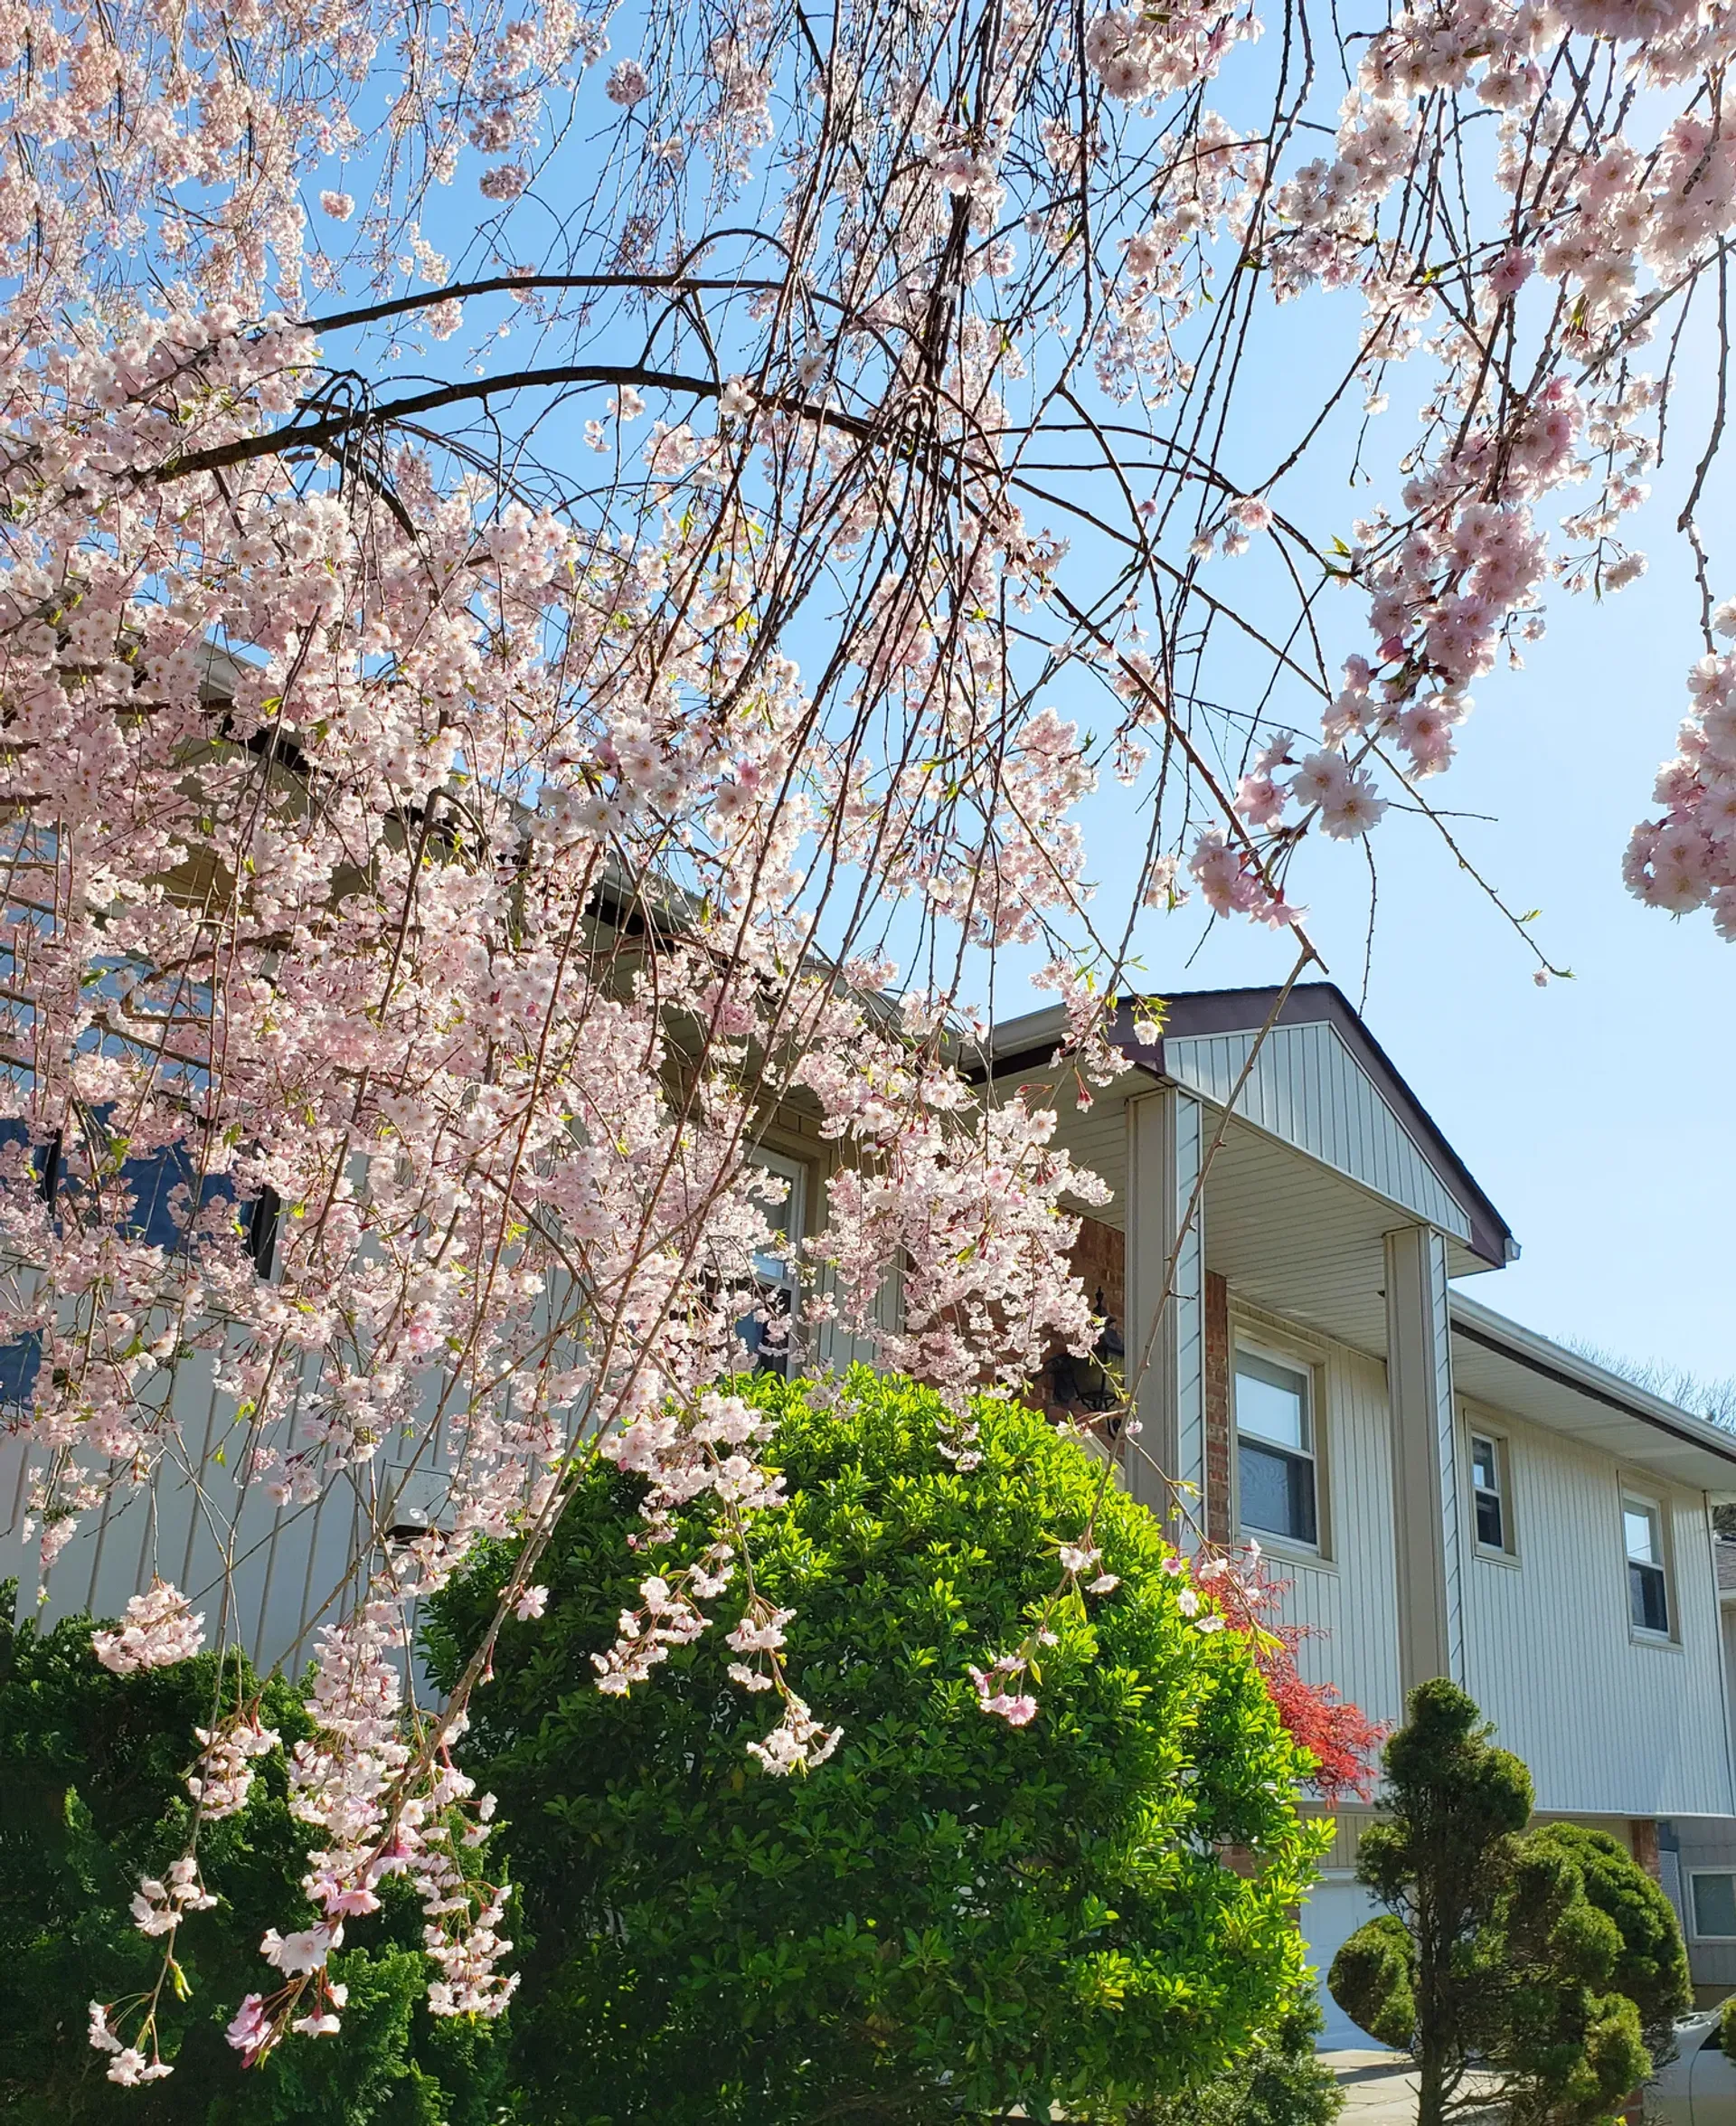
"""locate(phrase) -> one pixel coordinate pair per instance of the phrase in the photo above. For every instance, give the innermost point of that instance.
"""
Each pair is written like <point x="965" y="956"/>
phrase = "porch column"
<point x="1166" y="1325"/>
<point x="1427" y="1518"/>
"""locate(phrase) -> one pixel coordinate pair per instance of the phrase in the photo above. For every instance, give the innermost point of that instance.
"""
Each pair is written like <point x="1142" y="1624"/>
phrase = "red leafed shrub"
<point x="1337" y="1735"/>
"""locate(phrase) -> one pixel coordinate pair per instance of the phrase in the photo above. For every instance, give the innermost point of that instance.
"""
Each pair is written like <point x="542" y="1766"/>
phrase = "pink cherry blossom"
<point x="156" y="1630"/>
<point x="455" y="833"/>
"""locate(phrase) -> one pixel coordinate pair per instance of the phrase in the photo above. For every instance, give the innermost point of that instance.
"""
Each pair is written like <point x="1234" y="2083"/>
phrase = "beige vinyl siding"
<point x="1308" y="1089"/>
<point x="1351" y="1601"/>
<point x="288" y="1560"/>
<point x="1096" y="1136"/>
<point x="1609" y="1725"/>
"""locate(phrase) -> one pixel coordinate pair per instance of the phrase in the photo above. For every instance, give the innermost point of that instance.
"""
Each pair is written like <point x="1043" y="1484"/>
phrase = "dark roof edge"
<point x="1475" y="1333"/>
<point x="1214" y="1012"/>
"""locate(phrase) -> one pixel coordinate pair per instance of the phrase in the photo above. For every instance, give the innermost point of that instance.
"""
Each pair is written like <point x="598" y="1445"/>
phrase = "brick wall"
<point x="1099" y="1261"/>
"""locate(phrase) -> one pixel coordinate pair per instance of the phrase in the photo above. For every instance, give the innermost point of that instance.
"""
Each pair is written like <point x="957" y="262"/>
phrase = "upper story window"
<point x="1489" y="1491"/>
<point x="1276" y="1471"/>
<point x="1648" y="1597"/>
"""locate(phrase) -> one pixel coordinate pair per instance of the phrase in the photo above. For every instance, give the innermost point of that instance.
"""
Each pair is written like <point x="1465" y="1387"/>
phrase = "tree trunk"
<point x="1433" y="2087"/>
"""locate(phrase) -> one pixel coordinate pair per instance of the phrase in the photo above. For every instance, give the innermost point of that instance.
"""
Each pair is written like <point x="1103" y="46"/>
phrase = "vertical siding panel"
<point x="1351" y="1604"/>
<point x="17" y="1554"/>
<point x="215" y="1479"/>
<point x="1308" y="1088"/>
<point x="1608" y="1724"/>
<point x="1344" y="1105"/>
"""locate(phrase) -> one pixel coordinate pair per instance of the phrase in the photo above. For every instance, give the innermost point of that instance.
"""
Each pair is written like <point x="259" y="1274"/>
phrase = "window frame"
<point x="1254" y="1342"/>
<point x="1477" y="1426"/>
<point x="1637" y="1495"/>
<point x="1695" y="1873"/>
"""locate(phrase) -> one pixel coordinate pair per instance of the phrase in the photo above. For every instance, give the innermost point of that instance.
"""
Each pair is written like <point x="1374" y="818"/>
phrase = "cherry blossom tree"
<point x="566" y="583"/>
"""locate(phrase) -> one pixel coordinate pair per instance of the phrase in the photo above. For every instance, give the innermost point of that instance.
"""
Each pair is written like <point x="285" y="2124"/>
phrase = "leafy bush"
<point x="92" y="1766"/>
<point x="1651" y="1965"/>
<point x="1280" y="2081"/>
<point x="951" y="1914"/>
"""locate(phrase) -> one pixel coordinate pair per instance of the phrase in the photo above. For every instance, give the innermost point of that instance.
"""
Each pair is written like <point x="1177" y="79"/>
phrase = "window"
<point x="21" y="1361"/>
<point x="766" y="1331"/>
<point x="1714" y="1906"/>
<point x="1489" y="1491"/>
<point x="159" y="1182"/>
<point x="1649" y="1602"/>
<point x="1275" y="1447"/>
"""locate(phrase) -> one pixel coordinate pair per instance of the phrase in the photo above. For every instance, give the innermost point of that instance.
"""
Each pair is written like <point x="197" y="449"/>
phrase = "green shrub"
<point x="92" y="1769"/>
<point x="1280" y="2081"/>
<point x="950" y="1915"/>
<point x="1546" y="1960"/>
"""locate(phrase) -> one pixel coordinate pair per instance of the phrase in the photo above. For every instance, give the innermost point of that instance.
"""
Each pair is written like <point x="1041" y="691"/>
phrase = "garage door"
<point x="1332" y="1915"/>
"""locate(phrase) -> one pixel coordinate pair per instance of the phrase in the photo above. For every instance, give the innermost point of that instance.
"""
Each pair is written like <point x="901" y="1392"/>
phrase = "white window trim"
<point x="1693" y="1904"/>
<point x="1672" y="1637"/>
<point x="795" y="1172"/>
<point x="1258" y="1342"/>
<point x="1478" y="1427"/>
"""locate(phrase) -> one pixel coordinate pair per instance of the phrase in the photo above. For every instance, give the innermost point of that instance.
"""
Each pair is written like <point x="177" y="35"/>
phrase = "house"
<point x="1448" y="1493"/>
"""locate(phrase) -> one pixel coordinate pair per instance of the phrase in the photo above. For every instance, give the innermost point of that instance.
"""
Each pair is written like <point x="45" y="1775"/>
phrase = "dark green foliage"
<point x="950" y="1915"/>
<point x="92" y="1767"/>
<point x="1651" y="1965"/>
<point x="1458" y="1803"/>
<point x="1280" y="2081"/>
<point x="1547" y="1958"/>
<point x="1374" y="1979"/>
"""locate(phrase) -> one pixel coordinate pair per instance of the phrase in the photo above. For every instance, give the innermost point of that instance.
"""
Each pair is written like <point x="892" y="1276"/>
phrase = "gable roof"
<point x="1320" y="1081"/>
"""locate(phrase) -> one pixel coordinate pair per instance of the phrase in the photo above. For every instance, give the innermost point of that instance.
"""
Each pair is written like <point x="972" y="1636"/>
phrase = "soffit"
<point x="1508" y="1367"/>
<point x="1299" y="1239"/>
<point x="1317" y="1082"/>
<point x="1307" y="1089"/>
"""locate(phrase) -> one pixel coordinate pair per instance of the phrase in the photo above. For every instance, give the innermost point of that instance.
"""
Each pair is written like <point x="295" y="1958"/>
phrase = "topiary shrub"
<point x="1651" y="1965"/>
<point x="1547" y="1961"/>
<point x="952" y="1914"/>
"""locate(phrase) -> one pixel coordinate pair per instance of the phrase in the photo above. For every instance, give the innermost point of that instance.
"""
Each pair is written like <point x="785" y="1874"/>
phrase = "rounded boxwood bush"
<point x="950" y="1915"/>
